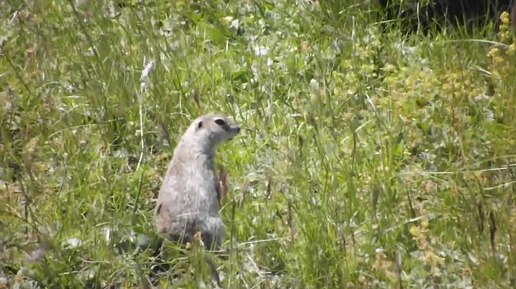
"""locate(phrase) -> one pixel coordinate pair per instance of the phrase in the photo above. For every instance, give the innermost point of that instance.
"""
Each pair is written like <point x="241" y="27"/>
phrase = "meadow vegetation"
<point x="369" y="158"/>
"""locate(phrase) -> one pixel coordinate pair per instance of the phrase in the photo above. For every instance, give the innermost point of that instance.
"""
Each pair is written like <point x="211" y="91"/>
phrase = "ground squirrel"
<point x="188" y="200"/>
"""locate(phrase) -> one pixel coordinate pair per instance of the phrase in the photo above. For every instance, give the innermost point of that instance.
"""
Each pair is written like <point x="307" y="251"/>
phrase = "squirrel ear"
<point x="199" y="125"/>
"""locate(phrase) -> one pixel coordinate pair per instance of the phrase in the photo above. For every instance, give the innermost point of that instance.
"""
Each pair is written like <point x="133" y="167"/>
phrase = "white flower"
<point x="146" y="71"/>
<point x="314" y="85"/>
<point x="73" y="242"/>
<point x="261" y="51"/>
<point x="234" y="24"/>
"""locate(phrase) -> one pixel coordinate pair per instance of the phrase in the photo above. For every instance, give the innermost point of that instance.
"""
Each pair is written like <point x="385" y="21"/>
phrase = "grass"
<point x="368" y="158"/>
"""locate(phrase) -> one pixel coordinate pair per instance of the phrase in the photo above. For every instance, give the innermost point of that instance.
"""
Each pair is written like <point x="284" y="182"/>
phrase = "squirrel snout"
<point x="235" y="128"/>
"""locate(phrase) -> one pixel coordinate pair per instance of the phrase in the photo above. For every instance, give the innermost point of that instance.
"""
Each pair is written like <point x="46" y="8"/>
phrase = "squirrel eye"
<point x="220" y="122"/>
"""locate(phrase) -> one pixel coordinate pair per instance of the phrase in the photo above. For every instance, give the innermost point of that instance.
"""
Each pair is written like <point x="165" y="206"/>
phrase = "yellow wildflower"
<point x="504" y="18"/>
<point x="493" y="52"/>
<point x="512" y="49"/>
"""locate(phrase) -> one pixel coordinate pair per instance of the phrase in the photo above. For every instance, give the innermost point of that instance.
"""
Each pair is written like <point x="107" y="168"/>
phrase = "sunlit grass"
<point x="368" y="158"/>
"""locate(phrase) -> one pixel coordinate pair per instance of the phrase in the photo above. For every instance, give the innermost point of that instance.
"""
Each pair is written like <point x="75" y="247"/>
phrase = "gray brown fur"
<point x="188" y="201"/>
